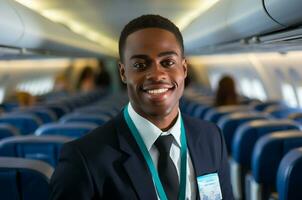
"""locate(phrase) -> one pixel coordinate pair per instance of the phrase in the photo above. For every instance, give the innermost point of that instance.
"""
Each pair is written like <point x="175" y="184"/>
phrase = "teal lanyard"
<point x="146" y="154"/>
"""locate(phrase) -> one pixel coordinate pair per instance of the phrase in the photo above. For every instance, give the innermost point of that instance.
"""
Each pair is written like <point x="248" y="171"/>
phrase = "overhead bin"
<point x="286" y="12"/>
<point x="11" y="25"/>
<point x="210" y="28"/>
<point x="26" y="29"/>
<point x="227" y="21"/>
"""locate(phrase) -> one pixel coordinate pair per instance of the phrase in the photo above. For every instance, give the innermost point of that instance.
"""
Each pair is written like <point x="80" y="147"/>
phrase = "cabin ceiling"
<point x="208" y="26"/>
<point x="103" y="20"/>
<point x="109" y="16"/>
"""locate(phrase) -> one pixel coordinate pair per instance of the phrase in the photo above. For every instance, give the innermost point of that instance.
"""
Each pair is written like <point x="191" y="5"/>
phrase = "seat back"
<point x="7" y="130"/>
<point x="97" y="109"/>
<point x="229" y="124"/>
<point x="26" y="123"/>
<point x="46" y="114"/>
<point x="201" y="111"/>
<point x="289" y="176"/>
<point x="242" y="147"/>
<point x="281" y="111"/>
<point x="71" y="129"/>
<point x="262" y="106"/>
<point x="267" y="154"/>
<point x="33" y="147"/>
<point x="215" y="114"/>
<point x="23" y="179"/>
<point x="58" y="109"/>
<point x="92" y="118"/>
<point x="189" y="106"/>
<point x="248" y="133"/>
<point x="296" y="117"/>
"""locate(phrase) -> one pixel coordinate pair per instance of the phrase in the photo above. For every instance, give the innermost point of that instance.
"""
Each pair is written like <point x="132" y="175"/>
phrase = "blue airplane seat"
<point x="98" y="109"/>
<point x="70" y="129"/>
<point x="201" y="111"/>
<point x="216" y="113"/>
<point x="183" y="102"/>
<point x="190" y="107"/>
<point x="289" y="176"/>
<point x="229" y="124"/>
<point x="46" y="115"/>
<point x="58" y="109"/>
<point x="296" y="117"/>
<point x="281" y="111"/>
<point x="33" y="147"/>
<point x="243" y="143"/>
<point x="26" y="123"/>
<point x="9" y="106"/>
<point x="98" y="119"/>
<point x="24" y="179"/>
<point x="248" y="101"/>
<point x="267" y="155"/>
<point x="261" y="106"/>
<point x="7" y="130"/>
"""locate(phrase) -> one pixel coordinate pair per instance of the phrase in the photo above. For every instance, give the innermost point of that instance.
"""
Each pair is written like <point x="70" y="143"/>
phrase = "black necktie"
<point x="166" y="168"/>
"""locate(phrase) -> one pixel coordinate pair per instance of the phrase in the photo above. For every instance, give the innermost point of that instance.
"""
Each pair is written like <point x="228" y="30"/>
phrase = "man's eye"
<point x="139" y="65"/>
<point x="168" y="63"/>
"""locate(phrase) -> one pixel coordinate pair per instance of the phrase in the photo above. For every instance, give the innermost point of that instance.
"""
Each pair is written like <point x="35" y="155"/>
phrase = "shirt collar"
<point x="149" y="132"/>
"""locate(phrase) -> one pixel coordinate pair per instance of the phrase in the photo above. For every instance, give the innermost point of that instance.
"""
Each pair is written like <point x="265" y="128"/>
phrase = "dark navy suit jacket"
<point x="108" y="164"/>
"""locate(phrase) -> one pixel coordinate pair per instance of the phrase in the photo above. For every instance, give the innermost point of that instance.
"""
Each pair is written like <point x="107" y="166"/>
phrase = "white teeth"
<point x="157" y="91"/>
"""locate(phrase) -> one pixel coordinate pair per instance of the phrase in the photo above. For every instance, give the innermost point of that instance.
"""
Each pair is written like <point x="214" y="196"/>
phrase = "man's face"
<point x="154" y="70"/>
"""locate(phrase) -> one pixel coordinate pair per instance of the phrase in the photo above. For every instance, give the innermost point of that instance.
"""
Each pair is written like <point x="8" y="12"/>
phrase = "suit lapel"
<point x="192" y="142"/>
<point x="135" y="164"/>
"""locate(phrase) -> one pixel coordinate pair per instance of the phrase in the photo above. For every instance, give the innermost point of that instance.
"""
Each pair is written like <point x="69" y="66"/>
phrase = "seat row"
<point x="55" y="117"/>
<point x="258" y="136"/>
<point x="27" y="160"/>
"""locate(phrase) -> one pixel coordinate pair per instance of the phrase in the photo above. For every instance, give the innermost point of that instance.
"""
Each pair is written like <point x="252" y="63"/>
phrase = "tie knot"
<point x="163" y="143"/>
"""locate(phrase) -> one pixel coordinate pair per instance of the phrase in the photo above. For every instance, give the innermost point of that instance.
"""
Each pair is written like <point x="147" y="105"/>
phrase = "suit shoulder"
<point x="198" y="123"/>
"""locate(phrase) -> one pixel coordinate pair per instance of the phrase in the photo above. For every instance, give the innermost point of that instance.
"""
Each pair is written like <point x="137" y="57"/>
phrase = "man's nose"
<point x="156" y="72"/>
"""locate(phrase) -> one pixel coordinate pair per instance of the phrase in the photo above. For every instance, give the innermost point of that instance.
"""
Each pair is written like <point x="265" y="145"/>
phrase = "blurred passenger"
<point x="25" y="99"/>
<point x="61" y="84"/>
<point x="102" y="79"/>
<point x="226" y="93"/>
<point x="86" y="81"/>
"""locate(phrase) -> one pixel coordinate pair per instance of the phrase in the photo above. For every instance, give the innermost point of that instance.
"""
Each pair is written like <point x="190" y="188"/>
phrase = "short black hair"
<point x="149" y="21"/>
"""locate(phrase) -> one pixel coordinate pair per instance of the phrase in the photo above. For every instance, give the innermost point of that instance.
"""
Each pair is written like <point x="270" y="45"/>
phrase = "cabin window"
<point x="246" y="87"/>
<point x="258" y="90"/>
<point x="296" y="81"/>
<point x="252" y="88"/>
<point x="214" y="79"/>
<point x="2" y="94"/>
<point x="288" y="93"/>
<point x="299" y="93"/>
<point x="38" y="86"/>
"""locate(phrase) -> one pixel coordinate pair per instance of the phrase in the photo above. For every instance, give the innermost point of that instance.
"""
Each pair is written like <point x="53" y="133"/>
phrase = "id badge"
<point x="209" y="187"/>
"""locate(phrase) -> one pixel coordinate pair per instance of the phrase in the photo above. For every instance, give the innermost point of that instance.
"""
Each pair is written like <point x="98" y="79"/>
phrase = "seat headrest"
<point x="289" y="176"/>
<point x="268" y="152"/>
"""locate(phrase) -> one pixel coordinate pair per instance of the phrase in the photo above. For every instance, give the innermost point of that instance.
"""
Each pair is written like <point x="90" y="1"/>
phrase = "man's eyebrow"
<point x="145" y="57"/>
<point x="166" y="53"/>
<point x="141" y="56"/>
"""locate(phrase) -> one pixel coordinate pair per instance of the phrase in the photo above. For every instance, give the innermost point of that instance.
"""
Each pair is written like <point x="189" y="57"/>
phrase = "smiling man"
<point x="150" y="150"/>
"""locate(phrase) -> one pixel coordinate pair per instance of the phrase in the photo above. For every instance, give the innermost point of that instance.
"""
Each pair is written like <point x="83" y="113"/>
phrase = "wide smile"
<point x="158" y="93"/>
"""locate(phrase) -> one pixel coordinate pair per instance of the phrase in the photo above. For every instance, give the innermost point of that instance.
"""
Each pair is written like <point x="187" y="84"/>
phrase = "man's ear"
<point x="122" y="72"/>
<point x="185" y="67"/>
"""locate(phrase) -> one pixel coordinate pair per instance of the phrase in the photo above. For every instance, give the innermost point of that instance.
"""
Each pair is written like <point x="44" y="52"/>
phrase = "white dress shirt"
<point x="149" y="133"/>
